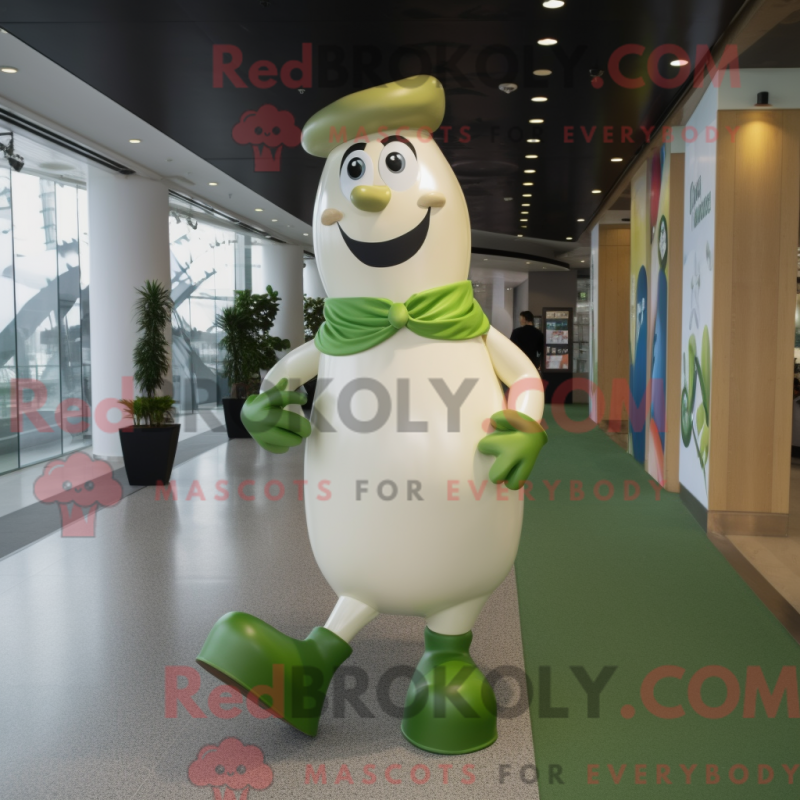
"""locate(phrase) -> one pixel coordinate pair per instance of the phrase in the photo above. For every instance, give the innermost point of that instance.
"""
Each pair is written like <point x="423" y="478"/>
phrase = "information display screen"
<point x="557" y="340"/>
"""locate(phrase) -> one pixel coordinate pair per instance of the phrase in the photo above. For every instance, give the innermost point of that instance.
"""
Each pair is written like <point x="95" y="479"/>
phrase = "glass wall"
<point x="209" y="263"/>
<point x="44" y="409"/>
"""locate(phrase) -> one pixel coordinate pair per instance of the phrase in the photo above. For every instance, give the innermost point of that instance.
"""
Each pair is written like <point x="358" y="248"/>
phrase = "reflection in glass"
<point x="207" y="263"/>
<point x="36" y="288"/>
<point x="74" y="419"/>
<point x="9" y="440"/>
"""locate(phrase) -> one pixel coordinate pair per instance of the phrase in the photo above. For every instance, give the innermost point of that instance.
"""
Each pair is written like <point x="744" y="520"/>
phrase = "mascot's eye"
<point x="219" y="769"/>
<point x="66" y="485"/>
<point x="276" y="130"/>
<point x="241" y="769"/>
<point x="259" y="130"/>
<point x="395" y="162"/>
<point x="89" y="485"/>
<point x="355" y="169"/>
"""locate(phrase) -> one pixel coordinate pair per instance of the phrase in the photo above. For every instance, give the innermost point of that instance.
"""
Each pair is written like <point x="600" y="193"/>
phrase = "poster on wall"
<point x="657" y="316"/>
<point x="640" y="250"/>
<point x="593" y="315"/>
<point x="698" y="295"/>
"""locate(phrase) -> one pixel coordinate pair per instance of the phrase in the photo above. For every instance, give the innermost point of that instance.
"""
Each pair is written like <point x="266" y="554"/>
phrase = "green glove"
<point x="516" y="442"/>
<point x="270" y="424"/>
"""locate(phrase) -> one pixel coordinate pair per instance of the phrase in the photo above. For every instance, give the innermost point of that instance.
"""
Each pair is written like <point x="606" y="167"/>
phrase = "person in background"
<point x="529" y="339"/>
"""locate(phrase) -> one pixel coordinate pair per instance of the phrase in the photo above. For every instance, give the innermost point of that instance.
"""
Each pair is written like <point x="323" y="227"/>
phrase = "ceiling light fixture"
<point x="527" y="195"/>
<point x="538" y="99"/>
<point x="524" y="212"/>
<point x="547" y="42"/>
<point x="530" y="172"/>
<point x="569" y="238"/>
<point x="542" y="73"/>
<point x="536" y="121"/>
<point x="213" y="183"/>
<point x="135" y="141"/>
<point x="762" y="100"/>
<point x="581" y="220"/>
<point x="9" y="70"/>
<point x="616" y="160"/>
<point x="305" y="234"/>
<point x="524" y="205"/>
<point x="553" y="3"/>
<point x="533" y="141"/>
<point x="259" y="209"/>
<point x="274" y="220"/>
<point x="528" y="183"/>
<point x="530" y="155"/>
<point x="678" y="62"/>
<point x="596" y="191"/>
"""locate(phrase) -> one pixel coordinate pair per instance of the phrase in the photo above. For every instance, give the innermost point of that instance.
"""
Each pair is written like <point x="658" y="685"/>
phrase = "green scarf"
<point x="354" y="324"/>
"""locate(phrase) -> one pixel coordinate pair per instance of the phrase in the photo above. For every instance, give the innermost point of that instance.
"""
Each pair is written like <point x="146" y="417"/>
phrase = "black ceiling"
<point x="155" y="59"/>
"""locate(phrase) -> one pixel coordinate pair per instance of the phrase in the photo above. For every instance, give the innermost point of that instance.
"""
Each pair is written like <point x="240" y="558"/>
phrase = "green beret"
<point x="411" y="103"/>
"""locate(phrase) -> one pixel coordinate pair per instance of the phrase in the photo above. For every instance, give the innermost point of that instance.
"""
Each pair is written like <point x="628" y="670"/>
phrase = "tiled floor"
<point x="95" y="630"/>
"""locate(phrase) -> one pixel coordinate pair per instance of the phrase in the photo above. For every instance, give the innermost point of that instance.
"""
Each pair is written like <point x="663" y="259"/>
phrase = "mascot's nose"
<point x="371" y="198"/>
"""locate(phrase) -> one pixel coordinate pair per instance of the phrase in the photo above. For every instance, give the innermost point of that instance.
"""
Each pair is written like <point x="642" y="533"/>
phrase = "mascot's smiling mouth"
<point x="393" y="251"/>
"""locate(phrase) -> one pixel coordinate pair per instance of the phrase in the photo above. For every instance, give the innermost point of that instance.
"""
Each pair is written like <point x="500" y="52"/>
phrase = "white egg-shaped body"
<point x="410" y="523"/>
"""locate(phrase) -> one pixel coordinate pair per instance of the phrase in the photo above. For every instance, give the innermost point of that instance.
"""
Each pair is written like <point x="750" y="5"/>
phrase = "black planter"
<point x="149" y="453"/>
<point x="233" y="418"/>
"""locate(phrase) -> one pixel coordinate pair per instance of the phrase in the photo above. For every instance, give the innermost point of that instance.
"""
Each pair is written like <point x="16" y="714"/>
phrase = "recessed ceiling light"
<point x="485" y="259"/>
<point x="547" y="42"/>
<point x="213" y="183"/>
<point x="536" y="121"/>
<point x="581" y="220"/>
<point x="533" y="141"/>
<point x="528" y="183"/>
<point x="583" y="261"/>
<point x="305" y="234"/>
<point x="527" y="195"/>
<point x="524" y="205"/>
<point x="539" y="99"/>
<point x="615" y="160"/>
<point x="527" y="262"/>
<point x="596" y="191"/>
<point x="259" y="209"/>
<point x="519" y="236"/>
<point x="678" y="62"/>
<point x="524" y="212"/>
<point x="135" y="141"/>
<point x="9" y="70"/>
<point x="569" y="238"/>
<point x="530" y="172"/>
<point x="274" y="220"/>
<point x="531" y="156"/>
<point x="553" y="3"/>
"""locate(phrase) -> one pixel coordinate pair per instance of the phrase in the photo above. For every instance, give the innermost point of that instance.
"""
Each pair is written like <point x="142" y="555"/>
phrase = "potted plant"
<point x="313" y="318"/>
<point x="149" y="445"/>
<point x="249" y="348"/>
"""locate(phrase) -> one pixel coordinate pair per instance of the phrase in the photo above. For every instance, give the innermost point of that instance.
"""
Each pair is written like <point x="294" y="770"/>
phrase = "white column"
<point x="312" y="283"/>
<point x="129" y="244"/>
<point x="501" y="311"/>
<point x="282" y="268"/>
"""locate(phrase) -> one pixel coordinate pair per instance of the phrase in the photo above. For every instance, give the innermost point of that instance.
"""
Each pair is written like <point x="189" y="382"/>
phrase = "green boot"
<point x="450" y="707"/>
<point x="288" y="676"/>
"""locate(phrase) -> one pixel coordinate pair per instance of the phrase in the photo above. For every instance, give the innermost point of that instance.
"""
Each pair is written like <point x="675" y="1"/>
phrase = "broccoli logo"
<point x="231" y="769"/>
<point x="267" y="130"/>
<point x="79" y="484"/>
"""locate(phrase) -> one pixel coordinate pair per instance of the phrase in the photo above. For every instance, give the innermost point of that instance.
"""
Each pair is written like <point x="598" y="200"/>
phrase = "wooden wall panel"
<point x="613" y="312"/>
<point x="757" y="219"/>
